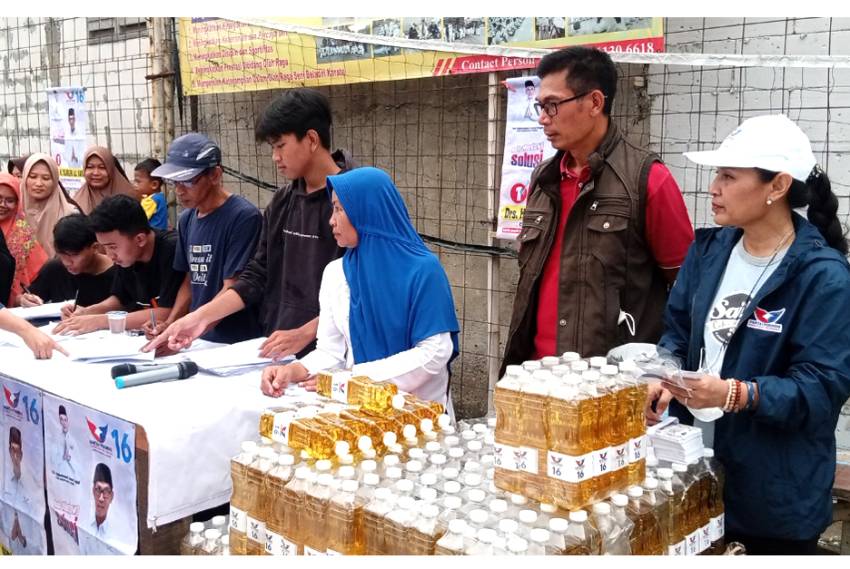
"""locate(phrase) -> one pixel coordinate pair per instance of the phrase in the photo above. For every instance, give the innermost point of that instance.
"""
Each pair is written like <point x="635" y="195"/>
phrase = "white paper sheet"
<point x="49" y="310"/>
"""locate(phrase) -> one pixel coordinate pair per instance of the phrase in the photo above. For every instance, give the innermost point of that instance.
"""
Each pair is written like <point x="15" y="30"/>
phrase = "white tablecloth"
<point x="194" y="426"/>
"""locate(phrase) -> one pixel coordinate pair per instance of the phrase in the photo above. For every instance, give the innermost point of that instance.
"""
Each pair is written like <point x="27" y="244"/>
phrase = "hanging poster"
<point x="22" y="499"/>
<point x="91" y="480"/>
<point x="525" y="147"/>
<point x="68" y="129"/>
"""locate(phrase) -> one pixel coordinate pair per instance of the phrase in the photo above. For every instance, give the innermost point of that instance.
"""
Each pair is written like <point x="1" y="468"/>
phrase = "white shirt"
<point x="421" y="370"/>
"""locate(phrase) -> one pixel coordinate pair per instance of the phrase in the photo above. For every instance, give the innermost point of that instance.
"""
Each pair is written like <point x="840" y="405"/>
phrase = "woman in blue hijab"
<point x="386" y="308"/>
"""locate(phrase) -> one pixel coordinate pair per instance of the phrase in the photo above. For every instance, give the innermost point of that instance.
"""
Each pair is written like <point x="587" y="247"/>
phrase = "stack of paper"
<point x="49" y="310"/>
<point x="233" y="359"/>
<point x="677" y="443"/>
<point x="104" y="346"/>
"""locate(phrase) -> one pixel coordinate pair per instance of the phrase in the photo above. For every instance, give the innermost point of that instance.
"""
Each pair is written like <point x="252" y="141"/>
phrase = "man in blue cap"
<point x="216" y="235"/>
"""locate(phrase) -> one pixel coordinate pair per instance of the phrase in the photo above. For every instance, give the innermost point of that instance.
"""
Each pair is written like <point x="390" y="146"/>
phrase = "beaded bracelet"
<point x="730" y="394"/>
<point x="739" y="403"/>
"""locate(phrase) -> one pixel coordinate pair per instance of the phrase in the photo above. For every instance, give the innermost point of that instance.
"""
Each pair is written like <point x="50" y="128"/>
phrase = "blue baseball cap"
<point x="188" y="156"/>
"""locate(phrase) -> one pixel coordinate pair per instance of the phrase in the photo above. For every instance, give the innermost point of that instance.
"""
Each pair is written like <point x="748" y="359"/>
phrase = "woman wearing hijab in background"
<point x="45" y="201"/>
<point x="386" y="308"/>
<point x="16" y="166"/>
<point x="20" y="238"/>
<point x="104" y="178"/>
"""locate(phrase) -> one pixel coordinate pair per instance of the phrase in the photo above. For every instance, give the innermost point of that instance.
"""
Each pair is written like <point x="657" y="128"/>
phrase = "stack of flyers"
<point x="678" y="443"/>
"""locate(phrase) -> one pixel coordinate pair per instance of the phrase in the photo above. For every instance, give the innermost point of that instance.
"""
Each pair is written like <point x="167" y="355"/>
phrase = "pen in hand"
<point x="76" y="297"/>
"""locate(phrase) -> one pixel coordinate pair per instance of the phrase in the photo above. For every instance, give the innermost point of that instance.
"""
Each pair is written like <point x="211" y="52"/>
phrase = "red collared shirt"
<point x="669" y="233"/>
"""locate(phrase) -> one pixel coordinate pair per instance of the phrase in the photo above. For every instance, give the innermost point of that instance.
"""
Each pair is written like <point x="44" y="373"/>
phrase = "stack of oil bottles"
<point x="411" y="484"/>
<point x="207" y="538"/>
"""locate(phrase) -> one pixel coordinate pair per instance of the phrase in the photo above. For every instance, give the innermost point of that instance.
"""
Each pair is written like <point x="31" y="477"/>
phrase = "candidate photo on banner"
<point x="68" y="131"/>
<point x="22" y="494"/>
<point x="91" y="480"/>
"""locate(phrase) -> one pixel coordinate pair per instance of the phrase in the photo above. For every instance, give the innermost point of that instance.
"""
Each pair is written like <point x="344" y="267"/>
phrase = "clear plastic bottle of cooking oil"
<point x="397" y="524"/>
<point x="531" y="460"/>
<point x="333" y="384"/>
<point x="421" y="408"/>
<point x="581" y="537"/>
<point x="673" y="487"/>
<point x="279" y="476"/>
<point x="372" y="395"/>
<point x="647" y="525"/>
<point x="606" y="407"/>
<point x="344" y="521"/>
<point x="618" y="436"/>
<point x="241" y="498"/>
<point x="193" y="540"/>
<point x="257" y="511"/>
<point x="453" y="541"/>
<point x="294" y="503"/>
<point x="571" y="423"/>
<point x="507" y="398"/>
<point x="374" y="514"/>
<point x="315" y="514"/>
<point x="715" y="502"/>
<point x="636" y="423"/>
<point x="657" y="500"/>
<point x="422" y="536"/>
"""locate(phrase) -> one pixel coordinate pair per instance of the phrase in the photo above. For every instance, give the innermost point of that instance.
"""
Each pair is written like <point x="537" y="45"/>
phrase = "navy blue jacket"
<point x="779" y="459"/>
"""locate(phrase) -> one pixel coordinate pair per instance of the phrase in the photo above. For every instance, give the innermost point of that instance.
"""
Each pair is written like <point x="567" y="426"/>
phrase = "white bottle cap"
<point x="302" y="472"/>
<point x="498" y="506"/>
<point x="305" y="455"/>
<point x="514" y="371"/>
<point x="364" y="443"/>
<point x="409" y="432"/>
<point x="451" y="441"/>
<point x="395" y="449"/>
<point x="570" y="357"/>
<point x="437" y="459"/>
<point x="635" y="491"/>
<point x="508" y="526"/>
<point x="472" y="480"/>
<point x="391" y="460"/>
<point x="219" y="521"/>
<point x="486" y="535"/>
<point x="451" y="487"/>
<point x="578" y="516"/>
<point x="548" y="508"/>
<point x="413" y="466"/>
<point x="477" y="495"/>
<point x="416" y="454"/>
<point x="679" y="467"/>
<point x="457" y="526"/>
<point x="590" y="375"/>
<point x="389" y="438"/>
<point x="383" y="494"/>
<point x="620" y="500"/>
<point x="472" y="466"/>
<point x="598" y="361"/>
<point x="456" y="452"/>
<point x="444" y="421"/>
<point x="474" y="446"/>
<point x="368" y="466"/>
<point x="406" y="502"/>
<point x="468" y="435"/>
<point x="323" y="465"/>
<point x="345" y="459"/>
<point x="426" y="425"/>
<point x="393" y="472"/>
<point x="450" y="473"/>
<point x="539" y="535"/>
<point x="542" y="375"/>
<point x="452" y="502"/>
<point x="212" y="534"/>
<point x="609" y="370"/>
<point x="404" y="486"/>
<point x="478" y="516"/>
<point x="602" y="508"/>
<point x="664" y="473"/>
<point x="518" y="500"/>
<point x="433" y="447"/>
<point x="561" y="370"/>
<point x="528" y="517"/>
<point x="249" y="447"/>
<point x="708" y="453"/>
<point x="491" y="422"/>
<point x="428" y="494"/>
<point x="398" y="401"/>
<point x="531" y="365"/>
<point x="341" y="447"/>
<point x="371" y="479"/>
<point x="579" y="366"/>
<point x="430" y="511"/>
<point x="517" y="545"/>
<point x="346" y="472"/>
<point x="559" y="525"/>
<point x="428" y="479"/>
<point x="550" y="361"/>
<point x="350" y="486"/>
<point x="224" y="540"/>
<point x="196" y="527"/>
<point x="325" y="480"/>
<point x="268" y="453"/>
<point x="650" y="484"/>
<point x="286" y="460"/>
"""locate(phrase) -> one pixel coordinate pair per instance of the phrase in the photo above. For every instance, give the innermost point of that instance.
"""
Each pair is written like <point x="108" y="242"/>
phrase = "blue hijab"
<point x="400" y="294"/>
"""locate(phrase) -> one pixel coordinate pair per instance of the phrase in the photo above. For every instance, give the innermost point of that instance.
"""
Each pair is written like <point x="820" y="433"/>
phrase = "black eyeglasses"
<point x="551" y="107"/>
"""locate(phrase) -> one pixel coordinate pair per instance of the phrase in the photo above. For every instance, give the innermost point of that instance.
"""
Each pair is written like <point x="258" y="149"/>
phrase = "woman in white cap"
<point x="761" y="308"/>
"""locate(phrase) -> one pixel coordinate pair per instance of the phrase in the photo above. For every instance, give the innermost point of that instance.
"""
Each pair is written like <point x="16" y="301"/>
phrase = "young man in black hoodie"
<point x="296" y="241"/>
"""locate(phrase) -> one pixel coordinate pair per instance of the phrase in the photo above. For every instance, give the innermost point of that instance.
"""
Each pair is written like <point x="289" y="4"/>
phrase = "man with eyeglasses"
<point x="217" y="235"/>
<point x="605" y="228"/>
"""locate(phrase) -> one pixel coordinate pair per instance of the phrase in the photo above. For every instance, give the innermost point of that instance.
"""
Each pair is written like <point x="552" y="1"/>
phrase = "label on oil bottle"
<point x="637" y="449"/>
<point x="238" y="519"/>
<point x="339" y="386"/>
<point x="280" y="427"/>
<point x="618" y="457"/>
<point x="676" y="548"/>
<point x="601" y="461"/>
<point x="705" y="537"/>
<point x="717" y="527"/>
<point x="256" y="530"/>
<point x="692" y="543"/>
<point x="310" y="551"/>
<point x="573" y="469"/>
<point x="503" y="457"/>
<point x="525" y="459"/>
<point x="279" y="545"/>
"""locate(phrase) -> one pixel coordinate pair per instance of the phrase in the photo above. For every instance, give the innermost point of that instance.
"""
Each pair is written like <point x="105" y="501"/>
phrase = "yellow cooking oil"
<point x="372" y="395"/>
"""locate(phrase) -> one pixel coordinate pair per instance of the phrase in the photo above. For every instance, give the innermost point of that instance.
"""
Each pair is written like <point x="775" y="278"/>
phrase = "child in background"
<point x="148" y="192"/>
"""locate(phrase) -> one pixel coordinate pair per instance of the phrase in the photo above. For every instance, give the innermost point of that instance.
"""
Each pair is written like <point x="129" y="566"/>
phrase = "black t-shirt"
<point x="156" y="278"/>
<point x="55" y="284"/>
<point x="7" y="270"/>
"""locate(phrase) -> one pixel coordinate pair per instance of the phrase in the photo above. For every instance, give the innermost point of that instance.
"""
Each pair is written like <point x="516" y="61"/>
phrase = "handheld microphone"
<point x="173" y="371"/>
<point x="130" y="369"/>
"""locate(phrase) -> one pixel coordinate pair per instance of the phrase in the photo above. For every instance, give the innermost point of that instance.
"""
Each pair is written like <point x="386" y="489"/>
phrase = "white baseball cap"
<point x="770" y="142"/>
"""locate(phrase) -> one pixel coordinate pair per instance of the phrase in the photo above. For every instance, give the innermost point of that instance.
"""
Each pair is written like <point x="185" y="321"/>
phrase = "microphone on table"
<point x="130" y="369"/>
<point x="181" y="370"/>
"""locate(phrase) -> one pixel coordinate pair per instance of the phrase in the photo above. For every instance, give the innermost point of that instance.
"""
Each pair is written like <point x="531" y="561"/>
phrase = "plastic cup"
<point x="117" y="321"/>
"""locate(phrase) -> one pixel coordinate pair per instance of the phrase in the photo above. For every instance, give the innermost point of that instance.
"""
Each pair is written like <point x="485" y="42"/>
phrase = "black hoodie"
<point x="295" y="244"/>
